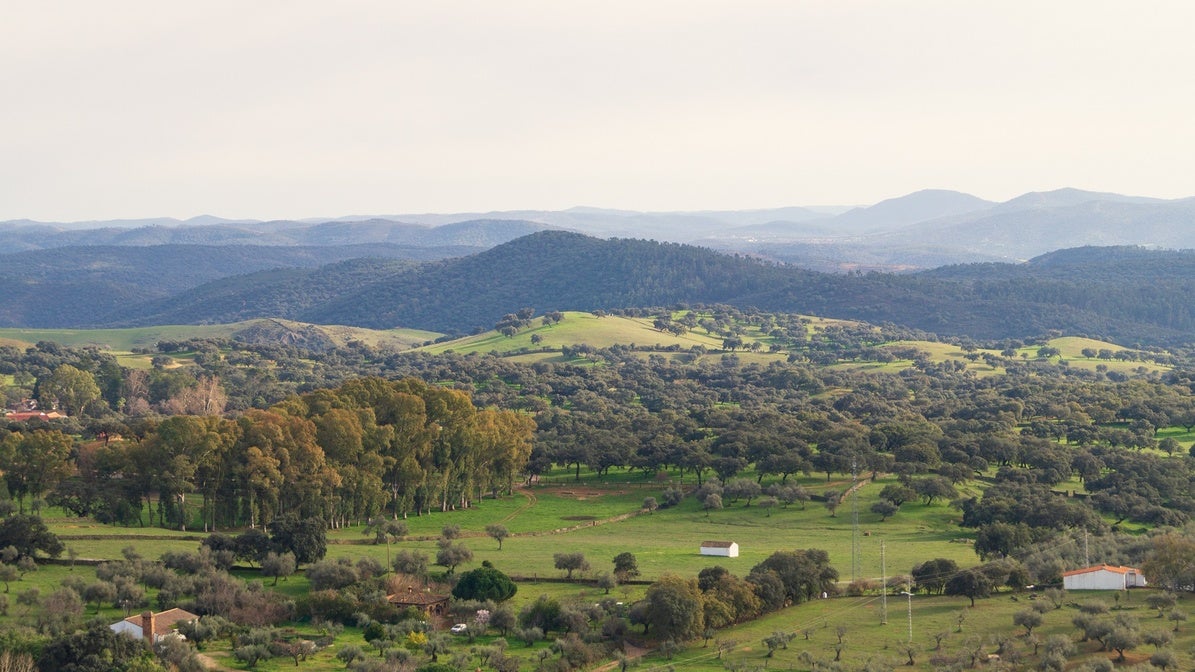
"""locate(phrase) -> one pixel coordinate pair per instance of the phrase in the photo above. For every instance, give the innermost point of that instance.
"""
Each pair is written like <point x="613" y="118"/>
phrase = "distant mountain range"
<point x="1128" y="295"/>
<point x="921" y="230"/>
<point x="441" y="274"/>
<point x="23" y="236"/>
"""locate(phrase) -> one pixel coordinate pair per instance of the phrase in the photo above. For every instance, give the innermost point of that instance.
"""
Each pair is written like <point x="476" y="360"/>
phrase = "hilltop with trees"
<point x="345" y="474"/>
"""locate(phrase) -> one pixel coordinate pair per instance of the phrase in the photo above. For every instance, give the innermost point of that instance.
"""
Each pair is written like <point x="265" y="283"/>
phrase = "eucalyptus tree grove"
<point x="343" y="455"/>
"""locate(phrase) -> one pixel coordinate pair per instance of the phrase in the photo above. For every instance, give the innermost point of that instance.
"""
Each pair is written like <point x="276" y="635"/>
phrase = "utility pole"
<point x="1086" y="557"/>
<point x="910" y="596"/>
<point x="883" y="587"/>
<point x="856" y="553"/>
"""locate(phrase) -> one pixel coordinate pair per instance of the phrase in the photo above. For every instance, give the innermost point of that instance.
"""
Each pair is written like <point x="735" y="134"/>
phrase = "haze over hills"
<point x="20" y="237"/>
<point x="456" y="276"/>
<point x="921" y="230"/>
<point x="1128" y="295"/>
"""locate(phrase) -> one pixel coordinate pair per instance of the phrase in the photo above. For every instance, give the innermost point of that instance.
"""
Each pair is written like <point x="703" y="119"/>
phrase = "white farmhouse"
<point x="1103" y="577"/>
<point x="726" y="549"/>
<point x="151" y="626"/>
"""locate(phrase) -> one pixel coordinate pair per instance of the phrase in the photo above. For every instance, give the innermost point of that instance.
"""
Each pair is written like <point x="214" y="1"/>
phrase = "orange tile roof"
<point x="1108" y="568"/>
<point x="164" y="621"/>
<point x="418" y="598"/>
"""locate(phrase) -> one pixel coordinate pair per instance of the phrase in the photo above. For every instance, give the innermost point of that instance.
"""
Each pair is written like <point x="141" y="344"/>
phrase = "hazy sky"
<point x="302" y="108"/>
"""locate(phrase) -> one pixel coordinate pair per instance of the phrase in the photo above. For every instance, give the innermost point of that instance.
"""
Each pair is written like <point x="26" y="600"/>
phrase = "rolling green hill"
<point x="1125" y="295"/>
<point x="124" y="342"/>
<point x="575" y="329"/>
<point x="1113" y="293"/>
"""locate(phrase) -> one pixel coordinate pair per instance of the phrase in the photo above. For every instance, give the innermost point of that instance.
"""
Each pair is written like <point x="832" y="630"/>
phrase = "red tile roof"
<point x="1107" y="568"/>
<point x="417" y="598"/>
<point x="164" y="621"/>
<point x="23" y="416"/>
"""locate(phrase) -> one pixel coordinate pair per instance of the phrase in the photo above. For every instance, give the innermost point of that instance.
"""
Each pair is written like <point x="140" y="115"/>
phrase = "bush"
<point x="860" y="587"/>
<point x="485" y="583"/>
<point x="332" y="574"/>
<point x="330" y="605"/>
<point x="672" y="497"/>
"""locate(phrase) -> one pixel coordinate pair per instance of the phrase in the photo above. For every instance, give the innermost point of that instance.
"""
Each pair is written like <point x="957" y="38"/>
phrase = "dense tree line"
<point x="342" y="455"/>
<point x="702" y="413"/>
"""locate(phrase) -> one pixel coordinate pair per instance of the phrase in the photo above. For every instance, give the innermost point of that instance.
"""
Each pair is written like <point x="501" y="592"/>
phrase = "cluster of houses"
<point x="153" y="627"/>
<point x="27" y="410"/>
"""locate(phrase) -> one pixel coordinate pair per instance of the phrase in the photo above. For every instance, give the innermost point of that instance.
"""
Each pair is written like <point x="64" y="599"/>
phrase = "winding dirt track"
<point x="211" y="663"/>
<point x="531" y="501"/>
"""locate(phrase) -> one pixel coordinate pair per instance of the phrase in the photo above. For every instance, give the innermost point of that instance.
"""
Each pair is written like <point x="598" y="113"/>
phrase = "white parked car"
<point x="458" y="629"/>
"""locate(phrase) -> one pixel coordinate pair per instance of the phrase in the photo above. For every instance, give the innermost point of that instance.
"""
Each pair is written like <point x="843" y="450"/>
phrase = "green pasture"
<point x="948" y="352"/>
<point x="815" y="626"/>
<point x="395" y="338"/>
<point x="600" y="332"/>
<point x="602" y="520"/>
<point x="529" y="511"/>
<point x="1128" y="368"/>
<point x="1180" y="434"/>
<point x="576" y="328"/>
<point x="120" y="339"/>
<point x="816" y="324"/>
<point x="125" y="340"/>
<point x="668" y="540"/>
<point x="600" y="516"/>
<point x="563" y="515"/>
<point x="866" y="638"/>
<point x="1073" y="346"/>
<point x="325" y="660"/>
<point x="110" y="548"/>
<point x="893" y="367"/>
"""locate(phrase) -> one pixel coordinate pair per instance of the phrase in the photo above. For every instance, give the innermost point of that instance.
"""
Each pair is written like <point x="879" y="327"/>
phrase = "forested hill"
<point x="101" y="284"/>
<point x="1126" y="294"/>
<point x="552" y="271"/>
<point x="1129" y="295"/>
<point x="548" y="271"/>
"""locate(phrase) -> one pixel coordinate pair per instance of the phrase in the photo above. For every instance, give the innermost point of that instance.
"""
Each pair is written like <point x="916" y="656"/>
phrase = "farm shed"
<point x="726" y="549"/>
<point x="1103" y="577"/>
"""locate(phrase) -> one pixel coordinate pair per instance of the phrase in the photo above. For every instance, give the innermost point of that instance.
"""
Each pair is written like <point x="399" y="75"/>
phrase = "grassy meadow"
<point x="576" y="328"/>
<point x="601" y="332"/>
<point x="600" y="517"/>
<point x="123" y="342"/>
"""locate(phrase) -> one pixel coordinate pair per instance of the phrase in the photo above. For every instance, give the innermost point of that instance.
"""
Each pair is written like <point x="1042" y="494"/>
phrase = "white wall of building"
<point x="127" y="628"/>
<point x="731" y="551"/>
<point x="1103" y="579"/>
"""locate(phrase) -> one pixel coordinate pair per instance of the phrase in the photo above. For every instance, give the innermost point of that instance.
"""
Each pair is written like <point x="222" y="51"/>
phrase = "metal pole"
<point x="910" y="617"/>
<point x="910" y="596"/>
<point x="883" y="587"/>
<point x="856" y="551"/>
